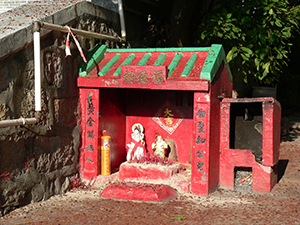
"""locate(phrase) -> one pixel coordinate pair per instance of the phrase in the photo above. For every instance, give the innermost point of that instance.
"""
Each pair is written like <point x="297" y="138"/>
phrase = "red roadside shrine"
<point x="175" y="92"/>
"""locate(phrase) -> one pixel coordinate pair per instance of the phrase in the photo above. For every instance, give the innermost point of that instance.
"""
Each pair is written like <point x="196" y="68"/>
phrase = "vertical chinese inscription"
<point x="201" y="139"/>
<point x="90" y="145"/>
<point x="89" y="105"/>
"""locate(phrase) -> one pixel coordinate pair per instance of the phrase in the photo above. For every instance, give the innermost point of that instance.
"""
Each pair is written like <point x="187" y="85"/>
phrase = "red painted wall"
<point x="142" y="106"/>
<point x="112" y="118"/>
<point x="220" y="87"/>
<point x="119" y="109"/>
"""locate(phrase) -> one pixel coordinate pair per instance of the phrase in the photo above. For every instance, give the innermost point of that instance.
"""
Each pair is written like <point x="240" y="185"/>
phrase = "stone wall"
<point x="40" y="160"/>
<point x="6" y="5"/>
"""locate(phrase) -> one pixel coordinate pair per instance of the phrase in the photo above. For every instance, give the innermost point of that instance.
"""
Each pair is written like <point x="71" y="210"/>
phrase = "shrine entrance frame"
<point x="204" y="80"/>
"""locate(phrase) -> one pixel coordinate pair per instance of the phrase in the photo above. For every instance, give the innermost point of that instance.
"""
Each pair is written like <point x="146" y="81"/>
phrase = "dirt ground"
<point x="85" y="206"/>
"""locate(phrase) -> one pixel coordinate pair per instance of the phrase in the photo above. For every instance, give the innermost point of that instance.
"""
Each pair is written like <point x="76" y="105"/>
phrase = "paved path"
<point x="85" y="206"/>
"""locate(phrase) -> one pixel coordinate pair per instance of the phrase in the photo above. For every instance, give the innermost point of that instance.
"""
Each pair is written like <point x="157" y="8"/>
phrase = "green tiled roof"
<point x="201" y="63"/>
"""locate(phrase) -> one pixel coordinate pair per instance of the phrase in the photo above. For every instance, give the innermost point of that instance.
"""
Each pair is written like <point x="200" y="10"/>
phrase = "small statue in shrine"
<point x="136" y="149"/>
<point x="159" y="146"/>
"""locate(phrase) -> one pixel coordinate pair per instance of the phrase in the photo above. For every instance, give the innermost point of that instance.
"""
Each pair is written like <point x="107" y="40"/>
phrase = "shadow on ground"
<point x="281" y="166"/>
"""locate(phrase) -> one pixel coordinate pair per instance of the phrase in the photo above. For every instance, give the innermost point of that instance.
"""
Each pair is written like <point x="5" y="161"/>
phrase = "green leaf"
<point x="178" y="218"/>
<point x="247" y="50"/>
<point x="271" y="11"/>
<point x="245" y="79"/>
<point x="230" y="55"/>
<point x="278" y="23"/>
<point x="266" y="66"/>
<point x="228" y="16"/>
<point x="245" y="58"/>
<point x="266" y="70"/>
<point x="235" y="29"/>
<point x="202" y="36"/>
<point x="175" y="218"/>
<point x="256" y="61"/>
<point x="287" y="34"/>
<point x="294" y="23"/>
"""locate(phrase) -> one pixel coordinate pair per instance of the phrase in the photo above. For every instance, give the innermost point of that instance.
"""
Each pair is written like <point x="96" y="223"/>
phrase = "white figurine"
<point x="136" y="149"/>
<point x="159" y="146"/>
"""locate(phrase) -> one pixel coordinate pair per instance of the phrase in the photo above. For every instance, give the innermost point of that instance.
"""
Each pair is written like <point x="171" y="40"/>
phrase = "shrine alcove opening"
<point x="168" y="113"/>
<point x="246" y="128"/>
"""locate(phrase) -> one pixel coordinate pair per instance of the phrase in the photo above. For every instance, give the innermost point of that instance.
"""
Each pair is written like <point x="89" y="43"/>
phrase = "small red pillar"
<point x="200" y="158"/>
<point x="89" y="110"/>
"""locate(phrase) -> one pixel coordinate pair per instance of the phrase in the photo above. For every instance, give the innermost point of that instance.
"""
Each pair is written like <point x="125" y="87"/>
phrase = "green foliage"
<point x="256" y="34"/>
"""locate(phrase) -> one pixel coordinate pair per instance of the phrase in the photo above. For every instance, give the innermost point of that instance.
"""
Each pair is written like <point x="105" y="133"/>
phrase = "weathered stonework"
<point x="4" y="81"/>
<point x="40" y="160"/>
<point x="66" y="112"/>
<point x="4" y="112"/>
<point x="53" y="66"/>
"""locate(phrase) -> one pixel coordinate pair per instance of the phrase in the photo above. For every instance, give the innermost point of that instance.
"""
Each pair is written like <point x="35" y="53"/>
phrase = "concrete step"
<point x="139" y="192"/>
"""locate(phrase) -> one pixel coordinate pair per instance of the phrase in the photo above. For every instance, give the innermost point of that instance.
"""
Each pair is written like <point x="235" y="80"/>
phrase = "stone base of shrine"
<point x="139" y="192"/>
<point x="147" y="182"/>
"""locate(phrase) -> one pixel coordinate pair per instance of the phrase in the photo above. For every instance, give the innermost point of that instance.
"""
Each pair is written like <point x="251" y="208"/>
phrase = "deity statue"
<point x="136" y="149"/>
<point x="159" y="147"/>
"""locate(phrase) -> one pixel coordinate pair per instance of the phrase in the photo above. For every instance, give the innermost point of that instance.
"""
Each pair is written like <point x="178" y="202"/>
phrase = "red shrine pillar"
<point x="200" y="154"/>
<point x="89" y="154"/>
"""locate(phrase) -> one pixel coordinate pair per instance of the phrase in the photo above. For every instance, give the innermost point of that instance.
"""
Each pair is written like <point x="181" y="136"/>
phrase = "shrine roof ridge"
<point x="173" y="49"/>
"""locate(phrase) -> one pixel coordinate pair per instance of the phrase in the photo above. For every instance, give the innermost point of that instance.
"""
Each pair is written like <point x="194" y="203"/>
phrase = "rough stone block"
<point x="5" y="78"/>
<point x="65" y="112"/>
<point x="52" y="153"/>
<point x="65" y="15"/>
<point x="84" y="7"/>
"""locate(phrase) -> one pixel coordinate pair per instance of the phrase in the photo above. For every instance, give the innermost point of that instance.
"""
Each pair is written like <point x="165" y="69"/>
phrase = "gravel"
<point x="85" y="206"/>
